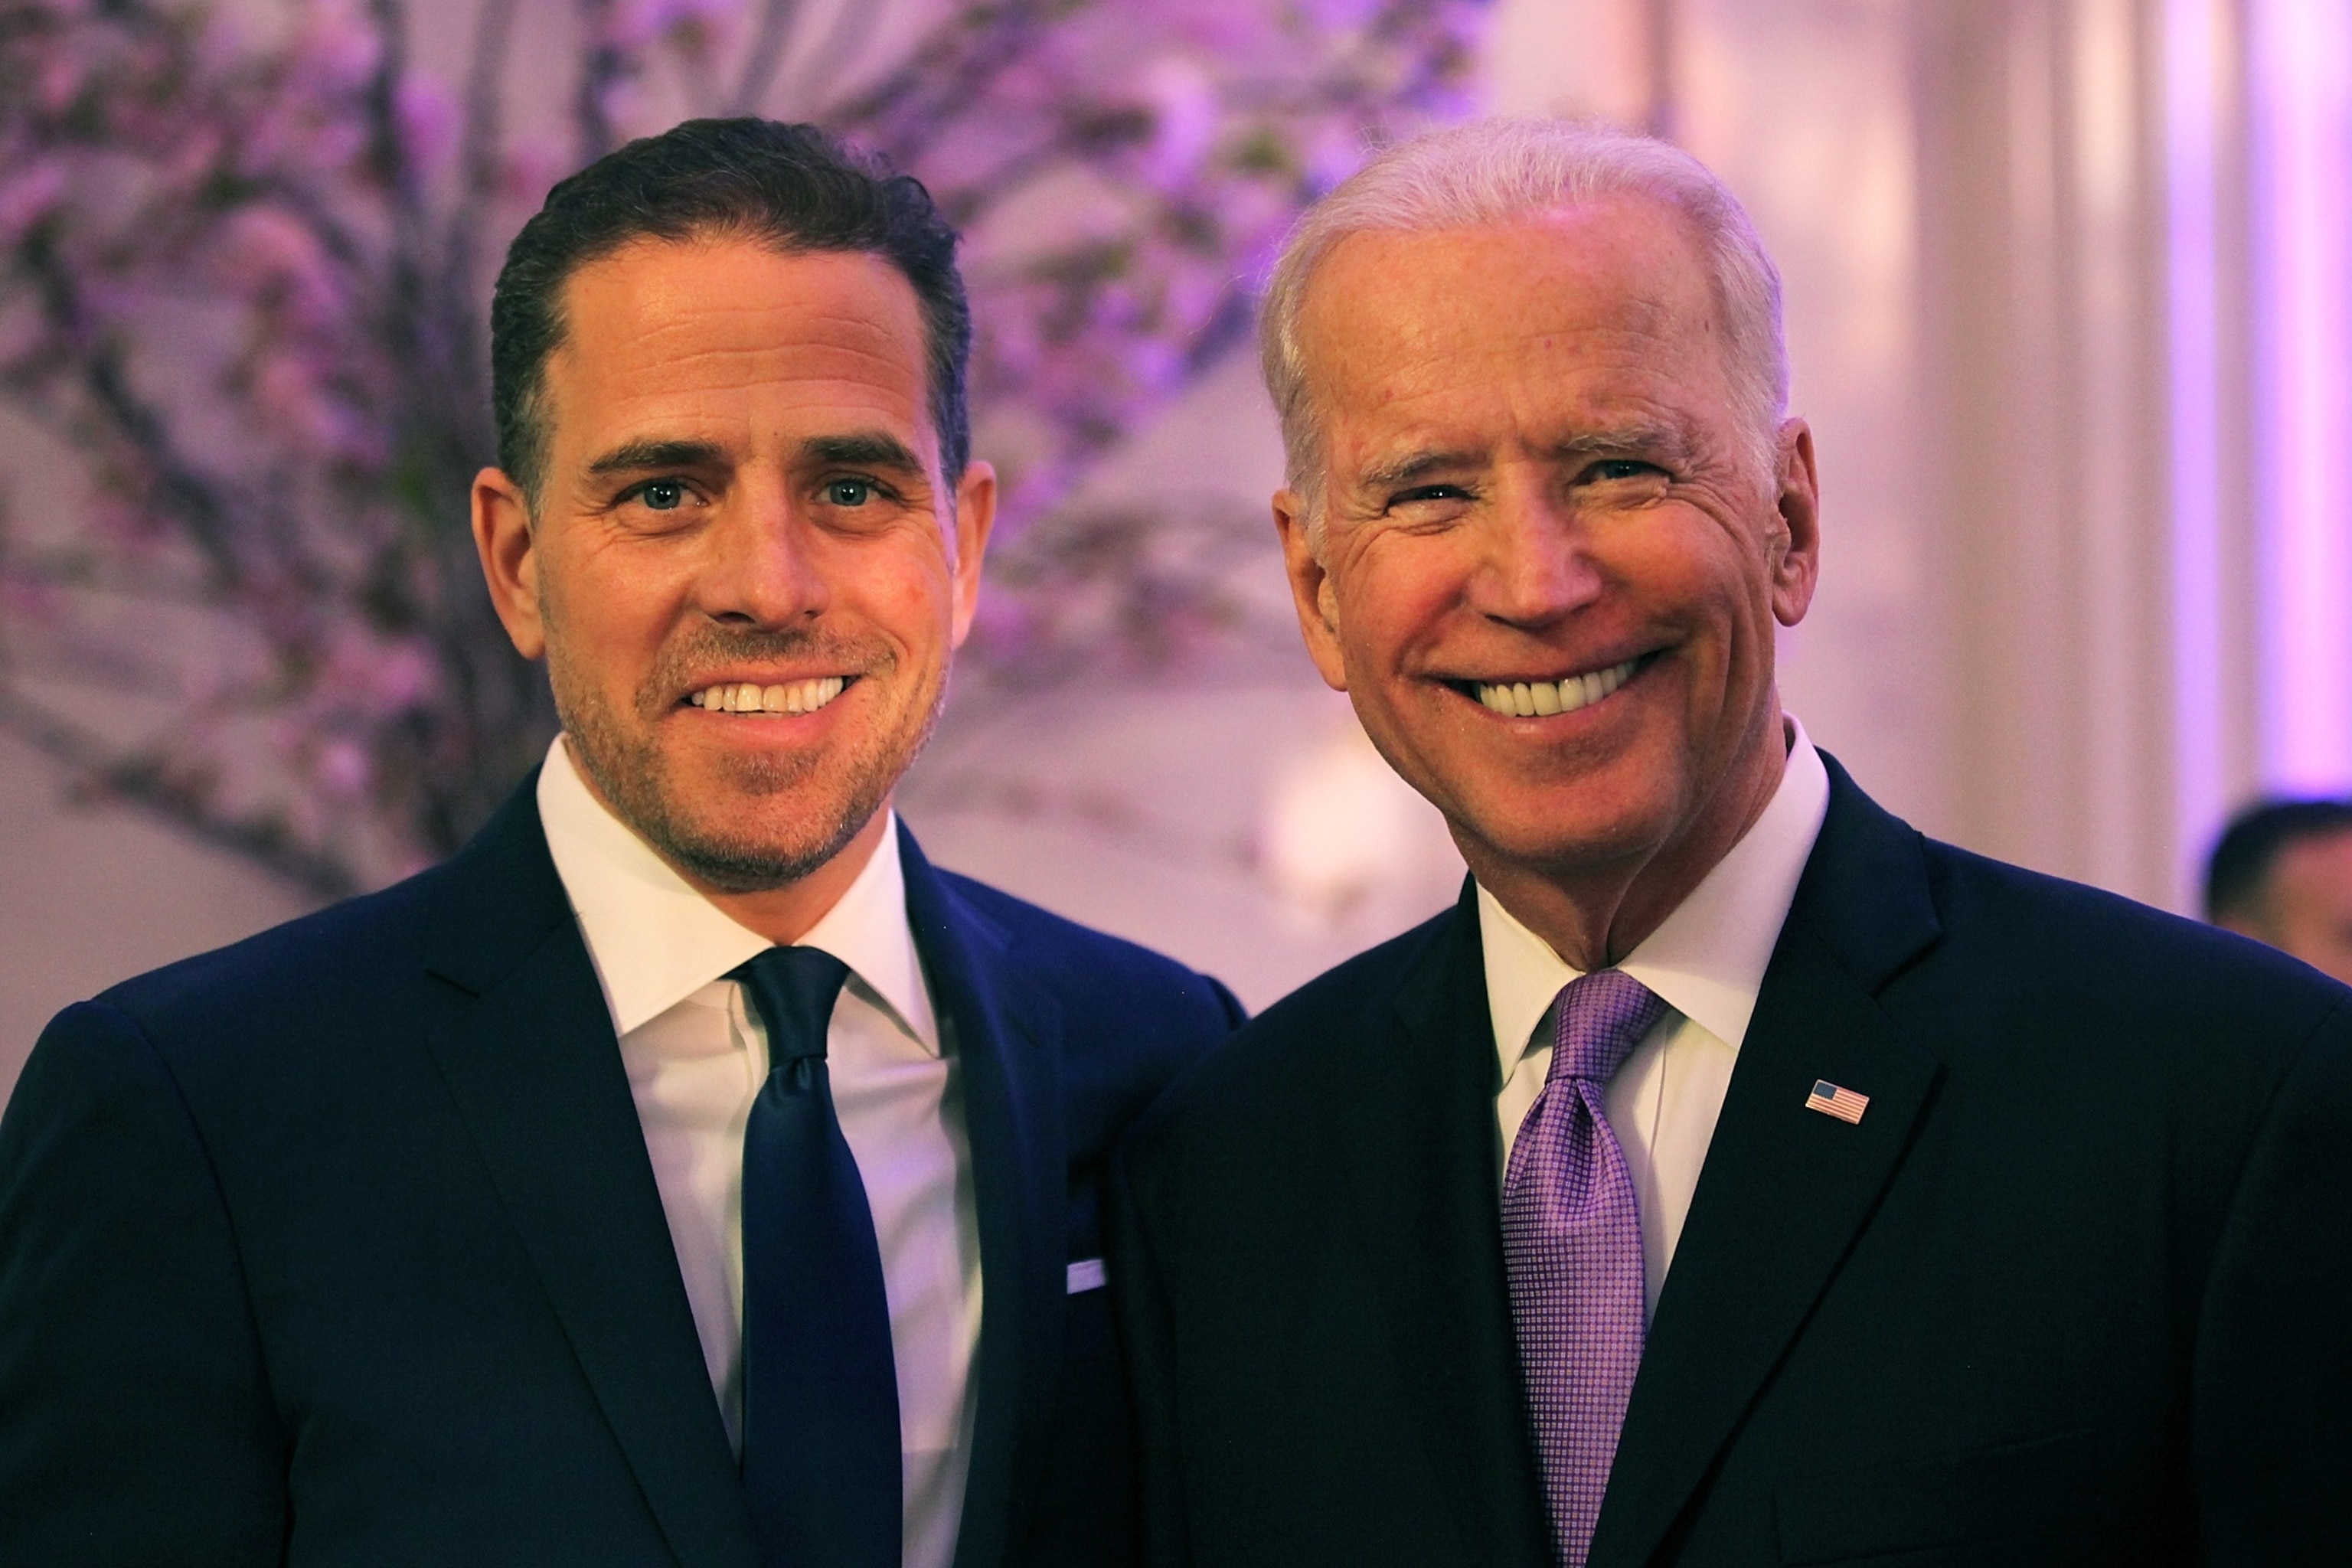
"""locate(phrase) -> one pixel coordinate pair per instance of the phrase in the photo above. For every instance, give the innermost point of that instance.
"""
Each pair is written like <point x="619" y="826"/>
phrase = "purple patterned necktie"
<point x="1572" y="1244"/>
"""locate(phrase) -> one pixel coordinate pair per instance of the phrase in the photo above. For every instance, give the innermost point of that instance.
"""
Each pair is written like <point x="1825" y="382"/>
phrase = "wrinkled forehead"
<point x="1615" y="288"/>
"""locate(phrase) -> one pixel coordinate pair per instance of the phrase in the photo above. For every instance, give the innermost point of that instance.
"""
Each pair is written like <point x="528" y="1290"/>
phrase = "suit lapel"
<point x="1008" y="1049"/>
<point x="530" y="1060"/>
<point x="1785" y="1190"/>
<point x="1420" y="1141"/>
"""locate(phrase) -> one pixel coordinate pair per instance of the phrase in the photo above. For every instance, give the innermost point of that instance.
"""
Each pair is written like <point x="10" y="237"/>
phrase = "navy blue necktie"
<point x="821" y="1462"/>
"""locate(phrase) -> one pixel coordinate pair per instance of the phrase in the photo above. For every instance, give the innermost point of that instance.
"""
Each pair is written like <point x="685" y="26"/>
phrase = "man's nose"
<point x="1535" y="566"/>
<point x="767" y="565"/>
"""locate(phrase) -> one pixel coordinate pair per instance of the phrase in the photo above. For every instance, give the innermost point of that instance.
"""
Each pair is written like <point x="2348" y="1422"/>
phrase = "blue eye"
<point x="849" y="492"/>
<point x="663" y="495"/>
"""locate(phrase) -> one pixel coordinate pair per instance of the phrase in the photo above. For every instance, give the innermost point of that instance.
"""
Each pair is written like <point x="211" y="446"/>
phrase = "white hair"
<point x="1503" y="171"/>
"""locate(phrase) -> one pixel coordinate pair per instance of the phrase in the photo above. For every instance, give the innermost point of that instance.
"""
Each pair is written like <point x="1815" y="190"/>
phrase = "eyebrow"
<point x="1669" y="441"/>
<point x="865" y="449"/>
<point x="1417" y="465"/>
<point x="1665" y="440"/>
<point x="635" y="456"/>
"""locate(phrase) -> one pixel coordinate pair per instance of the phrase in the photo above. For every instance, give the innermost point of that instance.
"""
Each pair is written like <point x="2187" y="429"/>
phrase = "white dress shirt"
<point x="1707" y="962"/>
<point x="697" y="1055"/>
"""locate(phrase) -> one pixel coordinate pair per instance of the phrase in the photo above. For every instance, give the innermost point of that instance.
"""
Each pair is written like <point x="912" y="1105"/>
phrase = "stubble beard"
<point x="753" y="852"/>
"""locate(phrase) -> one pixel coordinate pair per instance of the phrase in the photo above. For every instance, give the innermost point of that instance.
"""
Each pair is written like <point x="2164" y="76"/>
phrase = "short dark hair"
<point x="793" y="187"/>
<point x="2238" y="873"/>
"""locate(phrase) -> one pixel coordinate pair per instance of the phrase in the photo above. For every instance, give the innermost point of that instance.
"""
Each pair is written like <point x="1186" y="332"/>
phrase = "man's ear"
<point x="1312" y="593"/>
<point x="509" y="552"/>
<point x="975" y="519"/>
<point x="1796" y="562"/>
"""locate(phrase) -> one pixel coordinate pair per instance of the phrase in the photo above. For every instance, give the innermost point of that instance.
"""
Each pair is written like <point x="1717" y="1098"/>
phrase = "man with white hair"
<point x="1734" y="1175"/>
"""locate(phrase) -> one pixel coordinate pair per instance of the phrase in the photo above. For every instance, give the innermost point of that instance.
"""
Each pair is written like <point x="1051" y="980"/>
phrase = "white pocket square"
<point x="1088" y="1274"/>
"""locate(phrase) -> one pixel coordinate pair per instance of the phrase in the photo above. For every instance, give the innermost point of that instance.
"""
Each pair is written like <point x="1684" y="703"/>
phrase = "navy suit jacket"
<point x="342" y="1246"/>
<point x="2076" y="1288"/>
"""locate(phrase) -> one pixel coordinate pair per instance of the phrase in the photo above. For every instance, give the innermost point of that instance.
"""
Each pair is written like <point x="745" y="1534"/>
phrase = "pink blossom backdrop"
<point x="245" y="252"/>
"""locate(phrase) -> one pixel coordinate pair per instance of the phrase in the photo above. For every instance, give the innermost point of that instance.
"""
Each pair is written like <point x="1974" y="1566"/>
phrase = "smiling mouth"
<point x="1542" y="698"/>
<point x="748" y="697"/>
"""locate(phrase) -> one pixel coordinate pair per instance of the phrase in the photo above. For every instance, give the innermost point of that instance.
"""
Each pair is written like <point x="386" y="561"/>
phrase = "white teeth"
<point x="1529" y="699"/>
<point x="793" y="697"/>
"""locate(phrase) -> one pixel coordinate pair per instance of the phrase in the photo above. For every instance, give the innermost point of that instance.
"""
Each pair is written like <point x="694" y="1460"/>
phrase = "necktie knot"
<point x="794" y="989"/>
<point x="1601" y="1018"/>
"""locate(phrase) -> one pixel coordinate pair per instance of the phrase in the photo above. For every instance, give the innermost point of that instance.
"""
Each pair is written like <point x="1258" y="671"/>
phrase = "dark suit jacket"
<point x="2076" y="1288"/>
<point x="342" y="1246"/>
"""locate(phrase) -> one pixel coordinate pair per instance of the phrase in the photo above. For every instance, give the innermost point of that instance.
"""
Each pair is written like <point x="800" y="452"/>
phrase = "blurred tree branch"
<point x="244" y="255"/>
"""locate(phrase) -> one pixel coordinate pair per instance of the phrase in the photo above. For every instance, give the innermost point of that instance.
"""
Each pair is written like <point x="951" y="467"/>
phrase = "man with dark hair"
<point x="2282" y="873"/>
<point x="791" y="187"/>
<point x="685" y="1171"/>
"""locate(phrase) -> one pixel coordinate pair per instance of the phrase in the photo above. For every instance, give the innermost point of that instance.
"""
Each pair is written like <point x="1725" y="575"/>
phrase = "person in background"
<point x="1734" y="1175"/>
<point x="2282" y="873"/>
<point x="686" y="1172"/>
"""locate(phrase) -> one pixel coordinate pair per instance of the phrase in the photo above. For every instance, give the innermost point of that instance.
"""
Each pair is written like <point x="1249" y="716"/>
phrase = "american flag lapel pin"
<point x="1830" y="1099"/>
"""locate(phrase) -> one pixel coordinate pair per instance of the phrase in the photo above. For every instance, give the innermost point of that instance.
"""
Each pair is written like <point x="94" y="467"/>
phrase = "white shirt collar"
<point x="1707" y="959"/>
<point x="655" y="941"/>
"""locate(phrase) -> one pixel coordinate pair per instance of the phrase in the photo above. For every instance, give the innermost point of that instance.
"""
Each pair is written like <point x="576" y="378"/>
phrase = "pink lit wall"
<point x="2299" y="82"/>
<point x="2256" y="109"/>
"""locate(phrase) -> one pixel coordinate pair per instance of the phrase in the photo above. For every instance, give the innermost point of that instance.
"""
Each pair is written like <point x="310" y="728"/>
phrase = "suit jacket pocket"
<point x="2012" y="1504"/>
